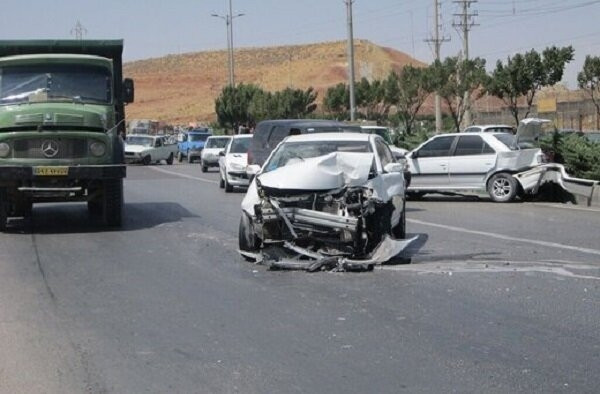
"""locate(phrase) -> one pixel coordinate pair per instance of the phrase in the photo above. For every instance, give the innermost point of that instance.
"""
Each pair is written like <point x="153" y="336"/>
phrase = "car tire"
<point x="170" y="159"/>
<point x="204" y="167"/>
<point x="179" y="157"/>
<point x="221" y="183"/>
<point x="3" y="209"/>
<point x="147" y="160"/>
<point x="190" y="159"/>
<point x="502" y="187"/>
<point x="112" y="202"/>
<point x="228" y="187"/>
<point x="399" y="232"/>
<point x="247" y="240"/>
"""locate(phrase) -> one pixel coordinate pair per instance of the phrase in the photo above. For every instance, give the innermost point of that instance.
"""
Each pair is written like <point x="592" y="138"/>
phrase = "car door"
<point x="471" y="160"/>
<point x="393" y="182"/>
<point x="429" y="164"/>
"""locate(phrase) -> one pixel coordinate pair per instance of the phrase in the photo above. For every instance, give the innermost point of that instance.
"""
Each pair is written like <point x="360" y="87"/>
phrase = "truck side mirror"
<point x="128" y="90"/>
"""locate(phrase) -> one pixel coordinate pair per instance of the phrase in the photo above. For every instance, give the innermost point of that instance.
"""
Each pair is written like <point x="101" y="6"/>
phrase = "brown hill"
<point x="183" y="88"/>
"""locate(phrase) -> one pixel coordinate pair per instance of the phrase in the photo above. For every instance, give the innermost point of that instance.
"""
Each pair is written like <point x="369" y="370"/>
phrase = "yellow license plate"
<point x="50" y="171"/>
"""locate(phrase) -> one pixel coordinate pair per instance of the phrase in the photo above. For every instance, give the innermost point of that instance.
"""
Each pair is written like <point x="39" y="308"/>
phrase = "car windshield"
<point x="507" y="139"/>
<point x="198" y="137"/>
<point x="217" y="143"/>
<point x="55" y="82"/>
<point x="240" y="145"/>
<point x="292" y="152"/>
<point x="143" y="141"/>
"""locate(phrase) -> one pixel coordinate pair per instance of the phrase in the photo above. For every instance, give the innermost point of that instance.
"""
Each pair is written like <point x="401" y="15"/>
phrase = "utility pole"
<point x="464" y="26"/>
<point x="78" y="31"/>
<point x="437" y="43"/>
<point x="351" y="59"/>
<point x="229" y="25"/>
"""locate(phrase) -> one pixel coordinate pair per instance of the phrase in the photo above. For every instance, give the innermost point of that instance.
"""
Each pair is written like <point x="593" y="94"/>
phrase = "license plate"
<point x="50" y="171"/>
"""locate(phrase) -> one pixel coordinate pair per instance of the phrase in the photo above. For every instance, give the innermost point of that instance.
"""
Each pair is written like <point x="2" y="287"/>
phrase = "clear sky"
<point x="153" y="28"/>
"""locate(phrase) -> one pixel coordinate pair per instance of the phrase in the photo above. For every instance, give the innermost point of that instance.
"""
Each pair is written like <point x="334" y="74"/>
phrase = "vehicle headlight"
<point x="97" y="148"/>
<point x="4" y="149"/>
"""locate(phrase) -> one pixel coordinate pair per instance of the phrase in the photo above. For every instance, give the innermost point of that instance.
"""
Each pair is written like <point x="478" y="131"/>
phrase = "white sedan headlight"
<point x="4" y="149"/>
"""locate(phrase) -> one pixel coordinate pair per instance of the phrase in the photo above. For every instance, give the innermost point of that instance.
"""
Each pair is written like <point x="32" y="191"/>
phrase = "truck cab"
<point x="191" y="144"/>
<point x="62" y="124"/>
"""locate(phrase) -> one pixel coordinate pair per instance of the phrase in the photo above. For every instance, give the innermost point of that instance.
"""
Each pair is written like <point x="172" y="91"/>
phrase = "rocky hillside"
<point x="182" y="88"/>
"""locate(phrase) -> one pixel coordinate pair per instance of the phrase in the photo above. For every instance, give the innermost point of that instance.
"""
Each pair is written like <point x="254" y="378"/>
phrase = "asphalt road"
<point x="499" y="298"/>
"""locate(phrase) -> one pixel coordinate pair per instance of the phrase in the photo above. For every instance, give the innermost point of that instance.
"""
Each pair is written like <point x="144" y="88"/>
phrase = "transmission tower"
<point x="78" y="31"/>
<point x="464" y="24"/>
<point x="437" y="41"/>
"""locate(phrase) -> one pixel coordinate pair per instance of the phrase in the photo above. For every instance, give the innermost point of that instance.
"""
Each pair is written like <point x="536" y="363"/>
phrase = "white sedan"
<point x="146" y="149"/>
<point x="212" y="148"/>
<point x="233" y="161"/>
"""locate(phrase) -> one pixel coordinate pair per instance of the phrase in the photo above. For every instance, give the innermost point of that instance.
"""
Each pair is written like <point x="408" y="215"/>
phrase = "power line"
<point x="78" y="31"/>
<point x="465" y="24"/>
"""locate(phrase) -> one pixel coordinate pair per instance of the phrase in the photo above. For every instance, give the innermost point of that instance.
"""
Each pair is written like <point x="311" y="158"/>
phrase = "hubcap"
<point x="501" y="187"/>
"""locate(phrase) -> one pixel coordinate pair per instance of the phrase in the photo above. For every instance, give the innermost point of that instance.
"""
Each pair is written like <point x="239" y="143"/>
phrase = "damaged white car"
<point x="331" y="201"/>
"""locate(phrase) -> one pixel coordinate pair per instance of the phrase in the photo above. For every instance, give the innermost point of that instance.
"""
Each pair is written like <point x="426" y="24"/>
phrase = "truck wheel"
<point x="179" y="157"/>
<point x="3" y="209"/>
<point x="190" y="159"/>
<point x="247" y="240"/>
<point x="502" y="187"/>
<point x="112" y="202"/>
<point x="399" y="232"/>
<point x="170" y="159"/>
<point x="147" y="160"/>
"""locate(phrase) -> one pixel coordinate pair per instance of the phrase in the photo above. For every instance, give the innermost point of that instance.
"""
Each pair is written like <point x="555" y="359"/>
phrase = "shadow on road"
<point x="75" y="219"/>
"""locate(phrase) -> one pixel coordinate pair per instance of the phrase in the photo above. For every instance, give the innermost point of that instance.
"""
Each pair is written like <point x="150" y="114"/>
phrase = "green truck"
<point x="62" y="125"/>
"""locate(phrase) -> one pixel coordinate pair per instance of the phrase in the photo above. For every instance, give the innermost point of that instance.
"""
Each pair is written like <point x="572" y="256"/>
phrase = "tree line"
<point x="400" y="96"/>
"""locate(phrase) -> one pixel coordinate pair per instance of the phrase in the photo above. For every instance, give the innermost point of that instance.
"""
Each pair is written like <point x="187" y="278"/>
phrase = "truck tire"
<point x="112" y="202"/>
<point x="3" y="209"/>
<point x="179" y="157"/>
<point x="502" y="187"/>
<point x="190" y="159"/>
<point x="170" y="159"/>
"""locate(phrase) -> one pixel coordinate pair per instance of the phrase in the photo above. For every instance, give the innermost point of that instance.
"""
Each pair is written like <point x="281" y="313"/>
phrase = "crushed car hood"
<point x="332" y="171"/>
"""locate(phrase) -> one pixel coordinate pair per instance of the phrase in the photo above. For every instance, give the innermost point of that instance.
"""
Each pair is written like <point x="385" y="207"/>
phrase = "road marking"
<point x="508" y="238"/>
<point x="183" y="175"/>
<point x="548" y="205"/>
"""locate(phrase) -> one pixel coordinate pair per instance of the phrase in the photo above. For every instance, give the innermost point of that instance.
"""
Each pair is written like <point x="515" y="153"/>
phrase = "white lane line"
<point x="508" y="238"/>
<point x="183" y="175"/>
<point x="572" y="208"/>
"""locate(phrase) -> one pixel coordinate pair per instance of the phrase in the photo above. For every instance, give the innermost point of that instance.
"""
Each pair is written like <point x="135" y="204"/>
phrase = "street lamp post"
<point x="229" y="24"/>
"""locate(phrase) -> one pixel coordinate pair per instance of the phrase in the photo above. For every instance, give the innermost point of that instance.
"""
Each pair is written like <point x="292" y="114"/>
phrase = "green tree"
<point x="408" y="91"/>
<point x="589" y="80"/>
<point x="293" y="103"/>
<point x="452" y="79"/>
<point x="232" y="105"/>
<point x="336" y="101"/>
<point x="524" y="74"/>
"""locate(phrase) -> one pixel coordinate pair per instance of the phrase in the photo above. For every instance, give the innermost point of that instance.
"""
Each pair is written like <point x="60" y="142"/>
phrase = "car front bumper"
<point x="237" y="178"/>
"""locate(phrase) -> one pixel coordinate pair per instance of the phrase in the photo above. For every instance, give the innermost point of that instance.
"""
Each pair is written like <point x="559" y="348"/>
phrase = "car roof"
<point x="481" y="133"/>
<point x="330" y="137"/>
<point x="214" y="137"/>
<point x="237" y="136"/>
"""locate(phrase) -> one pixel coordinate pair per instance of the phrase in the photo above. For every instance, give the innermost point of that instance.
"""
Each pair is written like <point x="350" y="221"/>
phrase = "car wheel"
<point x="228" y="187"/>
<point x="399" y="232"/>
<point x="247" y="240"/>
<point x="112" y="202"/>
<point x="170" y="159"/>
<point x="190" y="159"/>
<point x="147" y="160"/>
<point x="3" y="209"/>
<point x="502" y="187"/>
<point x="204" y="167"/>
<point x="179" y="157"/>
<point x="221" y="183"/>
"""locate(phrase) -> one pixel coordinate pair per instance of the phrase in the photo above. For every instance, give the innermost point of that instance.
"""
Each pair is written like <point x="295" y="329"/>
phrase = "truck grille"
<point x="67" y="148"/>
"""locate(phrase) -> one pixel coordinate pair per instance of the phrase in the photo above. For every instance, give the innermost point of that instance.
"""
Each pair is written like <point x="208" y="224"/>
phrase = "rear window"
<point x="507" y="139"/>
<point x="217" y="142"/>
<point x="240" y="145"/>
<point x="500" y="130"/>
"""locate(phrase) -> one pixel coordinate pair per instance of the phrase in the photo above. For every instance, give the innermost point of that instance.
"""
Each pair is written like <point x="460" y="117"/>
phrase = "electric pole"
<point x="351" y="59"/>
<point x="437" y="44"/>
<point x="464" y="25"/>
<point x="229" y="25"/>
<point x="78" y="31"/>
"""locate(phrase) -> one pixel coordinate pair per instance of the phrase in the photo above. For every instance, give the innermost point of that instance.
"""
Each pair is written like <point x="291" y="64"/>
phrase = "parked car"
<point x="146" y="149"/>
<point x="399" y="153"/>
<point x="476" y="161"/>
<point x="269" y="133"/>
<point x="191" y="144"/>
<point x="233" y="161"/>
<point x="490" y="128"/>
<point x="334" y="197"/>
<point x="210" y="154"/>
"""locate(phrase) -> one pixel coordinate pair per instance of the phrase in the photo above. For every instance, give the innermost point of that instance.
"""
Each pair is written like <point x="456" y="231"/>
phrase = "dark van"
<point x="269" y="133"/>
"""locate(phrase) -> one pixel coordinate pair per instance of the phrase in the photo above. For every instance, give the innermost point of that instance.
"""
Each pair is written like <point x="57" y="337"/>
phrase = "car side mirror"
<point x="128" y="90"/>
<point x="415" y="155"/>
<point x="393" y="167"/>
<point x="252" y="170"/>
<point x="222" y="153"/>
